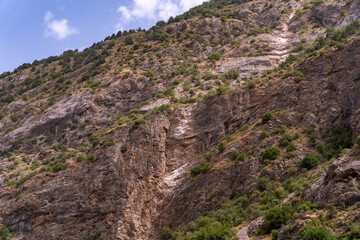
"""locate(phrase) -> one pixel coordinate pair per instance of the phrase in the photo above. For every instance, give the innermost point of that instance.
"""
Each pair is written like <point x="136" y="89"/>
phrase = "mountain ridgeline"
<point x="235" y="120"/>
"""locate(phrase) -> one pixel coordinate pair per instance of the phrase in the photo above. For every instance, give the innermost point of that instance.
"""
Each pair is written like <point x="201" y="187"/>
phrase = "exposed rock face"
<point x="250" y="230"/>
<point x="341" y="182"/>
<point x="139" y="182"/>
<point x="131" y="194"/>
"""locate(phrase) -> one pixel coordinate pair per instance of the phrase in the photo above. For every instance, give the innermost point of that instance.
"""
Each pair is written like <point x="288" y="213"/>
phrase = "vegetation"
<point x="222" y="146"/>
<point x="271" y="153"/>
<point x="310" y="160"/>
<point x="268" y="116"/>
<point x="201" y="168"/>
<point x="276" y="217"/>
<point x="315" y="231"/>
<point x="4" y="233"/>
<point x="232" y="74"/>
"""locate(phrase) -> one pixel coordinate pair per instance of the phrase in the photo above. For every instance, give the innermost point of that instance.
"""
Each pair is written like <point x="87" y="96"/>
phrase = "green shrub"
<point x="222" y="146"/>
<point x="257" y="31"/>
<point x="290" y="147"/>
<point x="232" y="74"/>
<point x="314" y="231"/>
<point x="176" y="82"/>
<point x="354" y="233"/>
<point x="209" y="228"/>
<point x="24" y="179"/>
<point x="223" y="88"/>
<point x="208" y="156"/>
<point x="271" y="153"/>
<point x="241" y="157"/>
<point x="166" y="234"/>
<point x="95" y="139"/>
<point x="169" y="30"/>
<point x="268" y="116"/>
<point x="202" y="168"/>
<point x="169" y="92"/>
<point x="129" y="40"/>
<point x="58" y="165"/>
<point x="91" y="158"/>
<point x="108" y="144"/>
<point x="215" y="56"/>
<point x="80" y="158"/>
<point x="306" y="206"/>
<point x="5" y="233"/>
<point x="286" y="140"/>
<point x="138" y="122"/>
<point x="124" y="147"/>
<point x="275" y="218"/>
<point x="264" y="134"/>
<point x="310" y="160"/>
<point x="263" y="183"/>
<point x="358" y="141"/>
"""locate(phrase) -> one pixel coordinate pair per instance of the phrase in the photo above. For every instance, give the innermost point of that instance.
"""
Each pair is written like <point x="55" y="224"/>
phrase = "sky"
<point x="37" y="29"/>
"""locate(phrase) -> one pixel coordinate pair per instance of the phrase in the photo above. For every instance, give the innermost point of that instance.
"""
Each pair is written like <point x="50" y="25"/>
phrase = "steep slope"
<point x="106" y="143"/>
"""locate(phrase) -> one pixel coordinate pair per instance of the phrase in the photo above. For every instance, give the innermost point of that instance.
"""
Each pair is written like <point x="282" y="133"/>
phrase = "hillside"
<point x="235" y="120"/>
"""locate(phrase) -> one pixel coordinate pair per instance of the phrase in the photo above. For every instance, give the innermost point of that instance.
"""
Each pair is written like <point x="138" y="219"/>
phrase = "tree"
<point x="276" y="217"/>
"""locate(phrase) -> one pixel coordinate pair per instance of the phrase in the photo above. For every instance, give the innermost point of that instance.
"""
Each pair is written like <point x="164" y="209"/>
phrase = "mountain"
<point x="236" y="120"/>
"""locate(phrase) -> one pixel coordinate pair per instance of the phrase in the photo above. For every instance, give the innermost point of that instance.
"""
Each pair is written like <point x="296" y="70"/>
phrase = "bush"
<point x="286" y="140"/>
<point x="232" y="74"/>
<point x="222" y="89"/>
<point x="263" y="183"/>
<point x="108" y="144"/>
<point x="215" y="56"/>
<point x="354" y="233"/>
<point x="202" y="168"/>
<point x="209" y="228"/>
<point x="124" y="147"/>
<point x="80" y="158"/>
<point x="222" y="146"/>
<point x="275" y="218"/>
<point x="264" y="134"/>
<point x="271" y="153"/>
<point x="137" y="123"/>
<point x="5" y="233"/>
<point x="314" y="231"/>
<point x="358" y="141"/>
<point x="241" y="157"/>
<point x="95" y="139"/>
<point x="166" y="234"/>
<point x="129" y="40"/>
<point x="310" y="160"/>
<point x="290" y="147"/>
<point x="91" y="158"/>
<point x="169" y="30"/>
<point x="268" y="116"/>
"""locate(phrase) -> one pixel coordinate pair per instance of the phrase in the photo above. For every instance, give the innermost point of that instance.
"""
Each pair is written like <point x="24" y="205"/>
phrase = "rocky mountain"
<point x="236" y="120"/>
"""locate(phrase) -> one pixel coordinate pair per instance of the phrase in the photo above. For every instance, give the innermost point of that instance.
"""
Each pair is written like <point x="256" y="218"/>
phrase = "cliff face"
<point x="75" y="169"/>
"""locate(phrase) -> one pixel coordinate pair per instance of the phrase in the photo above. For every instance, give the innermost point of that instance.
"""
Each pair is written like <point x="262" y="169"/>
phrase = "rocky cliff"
<point x="142" y="140"/>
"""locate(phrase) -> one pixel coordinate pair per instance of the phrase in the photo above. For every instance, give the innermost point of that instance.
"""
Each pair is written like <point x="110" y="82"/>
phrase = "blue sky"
<point x="38" y="29"/>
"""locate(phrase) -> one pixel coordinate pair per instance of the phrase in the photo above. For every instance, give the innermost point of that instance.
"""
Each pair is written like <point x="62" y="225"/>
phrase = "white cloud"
<point x="153" y="9"/>
<point x="59" y="29"/>
<point x="187" y="4"/>
<point x="167" y="10"/>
